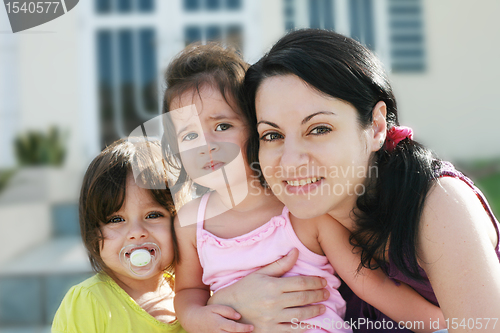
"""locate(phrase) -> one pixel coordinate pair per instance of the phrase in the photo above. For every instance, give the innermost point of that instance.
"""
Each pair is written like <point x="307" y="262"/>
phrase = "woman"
<point x="326" y="116"/>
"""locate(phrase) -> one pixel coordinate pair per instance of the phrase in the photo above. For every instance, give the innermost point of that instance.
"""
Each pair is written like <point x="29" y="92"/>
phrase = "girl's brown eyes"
<point x="154" y="215"/>
<point x="223" y="127"/>
<point x="115" y="219"/>
<point x="118" y="219"/>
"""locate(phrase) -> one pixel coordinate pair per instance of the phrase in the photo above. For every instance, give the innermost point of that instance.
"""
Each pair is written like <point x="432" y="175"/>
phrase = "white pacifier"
<point x="141" y="260"/>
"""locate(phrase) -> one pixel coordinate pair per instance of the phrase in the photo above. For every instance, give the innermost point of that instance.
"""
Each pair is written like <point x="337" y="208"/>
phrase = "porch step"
<point x="32" y="285"/>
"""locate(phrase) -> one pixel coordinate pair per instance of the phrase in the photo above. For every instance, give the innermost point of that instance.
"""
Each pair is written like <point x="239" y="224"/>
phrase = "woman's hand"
<point x="269" y="302"/>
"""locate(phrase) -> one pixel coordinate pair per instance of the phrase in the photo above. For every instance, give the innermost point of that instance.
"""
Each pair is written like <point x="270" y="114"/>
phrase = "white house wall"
<point x="453" y="105"/>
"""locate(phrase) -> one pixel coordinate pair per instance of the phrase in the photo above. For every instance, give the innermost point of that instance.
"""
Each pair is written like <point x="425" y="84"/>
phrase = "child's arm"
<point x="401" y="303"/>
<point x="191" y="294"/>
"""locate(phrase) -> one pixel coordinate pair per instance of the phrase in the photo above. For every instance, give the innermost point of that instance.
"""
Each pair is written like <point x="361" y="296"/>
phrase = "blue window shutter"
<point x="406" y="35"/>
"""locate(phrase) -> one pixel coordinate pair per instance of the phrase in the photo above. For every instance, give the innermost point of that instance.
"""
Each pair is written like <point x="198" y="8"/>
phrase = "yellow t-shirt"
<point x="99" y="305"/>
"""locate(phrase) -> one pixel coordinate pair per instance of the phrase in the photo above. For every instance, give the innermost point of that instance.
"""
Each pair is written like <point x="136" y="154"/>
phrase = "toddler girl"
<point x="237" y="227"/>
<point x="126" y="214"/>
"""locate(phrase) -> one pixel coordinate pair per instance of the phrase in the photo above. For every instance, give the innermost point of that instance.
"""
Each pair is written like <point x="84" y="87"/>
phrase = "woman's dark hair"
<point x="104" y="186"/>
<point x="341" y="67"/>
<point x="196" y="67"/>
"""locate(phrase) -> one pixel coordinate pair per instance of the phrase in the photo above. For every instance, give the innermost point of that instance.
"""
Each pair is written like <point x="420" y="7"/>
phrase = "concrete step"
<point x="32" y="285"/>
<point x="26" y="329"/>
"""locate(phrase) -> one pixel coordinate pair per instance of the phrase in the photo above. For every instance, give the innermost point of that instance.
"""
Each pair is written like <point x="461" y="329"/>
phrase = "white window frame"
<point x="92" y="22"/>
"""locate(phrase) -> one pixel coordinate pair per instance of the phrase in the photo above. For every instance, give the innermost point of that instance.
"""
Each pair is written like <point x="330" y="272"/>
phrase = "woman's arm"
<point x="401" y="303"/>
<point x="269" y="303"/>
<point x="456" y="250"/>
<point x="191" y="294"/>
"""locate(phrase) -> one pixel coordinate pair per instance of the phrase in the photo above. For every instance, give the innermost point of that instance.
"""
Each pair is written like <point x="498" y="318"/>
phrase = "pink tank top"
<point x="225" y="261"/>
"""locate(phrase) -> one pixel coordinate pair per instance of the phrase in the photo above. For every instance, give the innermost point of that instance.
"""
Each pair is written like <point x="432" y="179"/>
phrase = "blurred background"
<point x="75" y="84"/>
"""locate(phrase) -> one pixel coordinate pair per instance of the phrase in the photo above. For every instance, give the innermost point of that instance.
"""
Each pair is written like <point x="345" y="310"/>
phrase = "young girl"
<point x="126" y="214"/>
<point x="238" y="227"/>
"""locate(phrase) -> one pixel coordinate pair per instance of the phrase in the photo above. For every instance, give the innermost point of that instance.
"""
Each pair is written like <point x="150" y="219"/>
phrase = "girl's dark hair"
<point x="341" y="67"/>
<point x="196" y="67"/>
<point x="104" y="187"/>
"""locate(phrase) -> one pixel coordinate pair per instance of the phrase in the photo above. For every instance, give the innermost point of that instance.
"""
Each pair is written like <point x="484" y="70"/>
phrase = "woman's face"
<point x="313" y="152"/>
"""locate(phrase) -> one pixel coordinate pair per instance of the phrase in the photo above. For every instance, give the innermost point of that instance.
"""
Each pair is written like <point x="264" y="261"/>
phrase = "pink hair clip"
<point x="395" y="135"/>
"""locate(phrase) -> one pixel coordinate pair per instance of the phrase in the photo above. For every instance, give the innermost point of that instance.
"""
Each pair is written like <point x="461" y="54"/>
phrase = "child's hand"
<point x="219" y="318"/>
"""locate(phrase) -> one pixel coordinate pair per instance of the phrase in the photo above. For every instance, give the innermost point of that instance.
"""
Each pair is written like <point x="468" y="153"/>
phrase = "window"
<point x="191" y="5"/>
<point x="123" y="6"/>
<point x="321" y="14"/>
<point x="406" y="35"/>
<point x="126" y="70"/>
<point x="221" y="20"/>
<point x="231" y="35"/>
<point x="192" y="34"/>
<point x="289" y="14"/>
<point x="211" y="5"/>
<point x="233" y="4"/>
<point x="391" y="28"/>
<point x="362" y="27"/>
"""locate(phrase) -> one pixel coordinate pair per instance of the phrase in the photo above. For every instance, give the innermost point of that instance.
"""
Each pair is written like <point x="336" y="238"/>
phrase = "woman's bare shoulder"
<point x="456" y="244"/>
<point x="452" y="207"/>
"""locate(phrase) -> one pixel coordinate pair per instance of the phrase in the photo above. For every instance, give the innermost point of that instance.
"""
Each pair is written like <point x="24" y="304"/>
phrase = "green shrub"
<point x="490" y="186"/>
<point x="5" y="176"/>
<point x="37" y="148"/>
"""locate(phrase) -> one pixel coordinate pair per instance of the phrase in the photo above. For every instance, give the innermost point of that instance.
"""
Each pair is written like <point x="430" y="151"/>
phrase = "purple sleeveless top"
<point x="357" y="308"/>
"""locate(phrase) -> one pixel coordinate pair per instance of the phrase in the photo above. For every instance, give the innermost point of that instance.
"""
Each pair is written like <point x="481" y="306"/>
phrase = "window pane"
<point x="103" y="6"/>
<point x="124" y="6"/>
<point x="235" y="37"/>
<point x="314" y="21"/>
<point x="104" y="67"/>
<point x="191" y="5"/>
<point x="214" y="33"/>
<point x="125" y="53"/>
<point x="411" y="10"/>
<point x="289" y="12"/>
<point x="328" y="15"/>
<point x="362" y="28"/>
<point x="126" y="82"/>
<point x="148" y="83"/>
<point x="233" y="4"/>
<point x="213" y="4"/>
<point x="192" y="34"/>
<point x="146" y="5"/>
